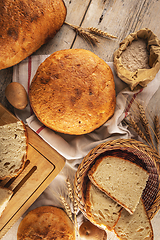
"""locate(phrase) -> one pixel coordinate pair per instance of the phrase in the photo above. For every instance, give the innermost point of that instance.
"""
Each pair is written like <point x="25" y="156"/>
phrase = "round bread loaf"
<point x="47" y="223"/>
<point x="73" y="92"/>
<point x="25" y="25"/>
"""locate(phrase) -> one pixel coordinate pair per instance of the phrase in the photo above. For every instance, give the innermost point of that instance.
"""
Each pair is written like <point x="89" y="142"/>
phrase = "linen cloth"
<point x="74" y="148"/>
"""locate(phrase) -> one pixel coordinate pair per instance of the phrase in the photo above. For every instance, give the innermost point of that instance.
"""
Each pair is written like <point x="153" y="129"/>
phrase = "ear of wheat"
<point x="145" y="124"/>
<point x="143" y="128"/>
<point x="100" y="33"/>
<point x="75" y="205"/>
<point x="89" y="34"/>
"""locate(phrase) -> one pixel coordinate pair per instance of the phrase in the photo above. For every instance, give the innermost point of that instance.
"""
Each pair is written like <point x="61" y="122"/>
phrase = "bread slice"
<point x="136" y="226"/>
<point x="5" y="195"/>
<point x="101" y="209"/>
<point x="13" y="149"/>
<point x="120" y="179"/>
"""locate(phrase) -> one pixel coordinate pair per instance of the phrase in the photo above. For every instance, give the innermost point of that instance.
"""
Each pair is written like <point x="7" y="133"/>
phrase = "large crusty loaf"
<point x="25" y="25"/>
<point x="5" y="195"/>
<point x="73" y="92"/>
<point x="47" y="223"/>
<point x="13" y="149"/>
<point x="101" y="209"/>
<point x="136" y="226"/>
<point x="120" y="179"/>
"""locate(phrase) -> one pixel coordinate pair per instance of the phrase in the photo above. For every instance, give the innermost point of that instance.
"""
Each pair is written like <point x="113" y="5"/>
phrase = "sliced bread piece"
<point x="13" y="149"/>
<point x="5" y="195"/>
<point x="101" y="209"/>
<point x="120" y="179"/>
<point x="135" y="226"/>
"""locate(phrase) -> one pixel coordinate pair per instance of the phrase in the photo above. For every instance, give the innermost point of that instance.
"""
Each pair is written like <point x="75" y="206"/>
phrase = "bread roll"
<point x="120" y="179"/>
<point x="47" y="223"/>
<point x="73" y="92"/>
<point x="5" y="195"/>
<point x="13" y="149"/>
<point x="25" y="25"/>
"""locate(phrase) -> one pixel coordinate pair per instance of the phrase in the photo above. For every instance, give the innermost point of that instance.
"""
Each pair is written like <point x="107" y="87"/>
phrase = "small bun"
<point x="89" y="231"/>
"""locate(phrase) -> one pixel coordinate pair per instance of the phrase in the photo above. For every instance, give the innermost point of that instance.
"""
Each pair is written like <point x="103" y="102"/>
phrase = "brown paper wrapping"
<point x="140" y="77"/>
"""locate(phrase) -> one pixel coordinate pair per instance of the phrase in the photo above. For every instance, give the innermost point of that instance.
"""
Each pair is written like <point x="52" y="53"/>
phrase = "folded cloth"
<point x="74" y="148"/>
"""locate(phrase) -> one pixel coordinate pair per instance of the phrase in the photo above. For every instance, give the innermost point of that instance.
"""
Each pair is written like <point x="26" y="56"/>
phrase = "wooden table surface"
<point x="117" y="17"/>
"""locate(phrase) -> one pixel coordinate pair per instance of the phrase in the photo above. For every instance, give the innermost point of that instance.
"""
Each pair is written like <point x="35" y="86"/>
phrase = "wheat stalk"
<point x="71" y="196"/>
<point x="84" y="34"/>
<point x="67" y="208"/>
<point x="137" y="129"/>
<point x="145" y="124"/>
<point x="74" y="202"/>
<point x="157" y="128"/>
<point x="88" y="34"/>
<point x="100" y="33"/>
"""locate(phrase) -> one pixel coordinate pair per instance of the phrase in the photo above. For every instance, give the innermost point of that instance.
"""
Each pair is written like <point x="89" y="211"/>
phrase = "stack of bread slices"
<point x="114" y="198"/>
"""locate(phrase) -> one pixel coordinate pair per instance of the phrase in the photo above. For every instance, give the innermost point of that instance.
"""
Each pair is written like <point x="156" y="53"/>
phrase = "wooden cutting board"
<point x="42" y="166"/>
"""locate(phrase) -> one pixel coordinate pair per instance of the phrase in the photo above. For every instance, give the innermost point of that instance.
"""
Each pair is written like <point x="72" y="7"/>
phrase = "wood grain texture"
<point x="119" y="18"/>
<point x="42" y="166"/>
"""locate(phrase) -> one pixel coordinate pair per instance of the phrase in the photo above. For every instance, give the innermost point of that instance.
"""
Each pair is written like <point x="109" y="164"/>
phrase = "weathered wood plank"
<point x="65" y="37"/>
<point x="120" y="18"/>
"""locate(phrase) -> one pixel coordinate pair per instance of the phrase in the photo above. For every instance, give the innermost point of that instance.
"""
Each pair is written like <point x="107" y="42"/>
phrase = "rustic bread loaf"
<point x="5" y="195"/>
<point x="120" y="179"/>
<point x="47" y="223"/>
<point x="25" y="25"/>
<point x="101" y="209"/>
<point x="73" y="92"/>
<point x="136" y="226"/>
<point x="13" y="149"/>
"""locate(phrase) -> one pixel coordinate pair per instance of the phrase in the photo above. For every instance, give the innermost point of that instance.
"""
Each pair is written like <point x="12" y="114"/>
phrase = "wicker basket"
<point x="132" y="150"/>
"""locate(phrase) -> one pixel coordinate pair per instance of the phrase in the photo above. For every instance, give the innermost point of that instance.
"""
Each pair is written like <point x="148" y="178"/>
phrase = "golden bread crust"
<point x="25" y="25"/>
<point x="46" y="222"/>
<point x="73" y="92"/>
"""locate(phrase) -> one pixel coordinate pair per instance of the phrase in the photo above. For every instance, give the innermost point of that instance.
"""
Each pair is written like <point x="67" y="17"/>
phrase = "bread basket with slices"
<point x="129" y="150"/>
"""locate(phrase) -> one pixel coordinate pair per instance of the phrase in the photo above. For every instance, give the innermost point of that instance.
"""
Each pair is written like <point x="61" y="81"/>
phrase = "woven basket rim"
<point x="140" y="150"/>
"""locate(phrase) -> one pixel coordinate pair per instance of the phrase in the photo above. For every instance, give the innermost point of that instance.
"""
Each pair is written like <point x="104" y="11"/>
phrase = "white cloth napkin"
<point x="74" y="148"/>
